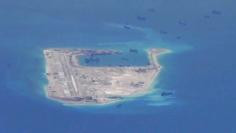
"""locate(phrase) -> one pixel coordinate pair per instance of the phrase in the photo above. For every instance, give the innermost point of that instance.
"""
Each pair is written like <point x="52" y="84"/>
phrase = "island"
<point x="70" y="82"/>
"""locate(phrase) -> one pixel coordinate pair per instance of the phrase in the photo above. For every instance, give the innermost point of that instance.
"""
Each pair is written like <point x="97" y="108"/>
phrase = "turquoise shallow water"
<point x="200" y="70"/>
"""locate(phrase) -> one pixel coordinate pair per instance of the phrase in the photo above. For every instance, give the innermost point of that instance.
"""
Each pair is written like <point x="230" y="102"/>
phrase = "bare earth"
<point x="71" y="83"/>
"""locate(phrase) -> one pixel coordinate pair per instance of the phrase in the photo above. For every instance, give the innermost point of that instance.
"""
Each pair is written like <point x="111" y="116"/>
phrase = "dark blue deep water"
<point x="133" y="57"/>
<point x="200" y="71"/>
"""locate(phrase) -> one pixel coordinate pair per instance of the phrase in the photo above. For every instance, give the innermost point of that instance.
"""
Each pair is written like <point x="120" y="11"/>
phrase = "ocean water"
<point x="123" y="58"/>
<point x="200" y="70"/>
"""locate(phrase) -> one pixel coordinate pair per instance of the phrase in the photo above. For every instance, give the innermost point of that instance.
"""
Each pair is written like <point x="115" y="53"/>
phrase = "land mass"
<point x="72" y="83"/>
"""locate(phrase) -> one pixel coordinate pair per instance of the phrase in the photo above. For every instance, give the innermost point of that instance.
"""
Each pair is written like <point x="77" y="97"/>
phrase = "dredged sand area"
<point x="72" y="83"/>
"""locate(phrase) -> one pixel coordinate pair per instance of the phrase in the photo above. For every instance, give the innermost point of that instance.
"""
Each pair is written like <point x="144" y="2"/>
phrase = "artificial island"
<point x="72" y="83"/>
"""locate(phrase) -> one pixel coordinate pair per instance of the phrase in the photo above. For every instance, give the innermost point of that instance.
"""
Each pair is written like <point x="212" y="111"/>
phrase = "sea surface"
<point x="132" y="57"/>
<point x="199" y="73"/>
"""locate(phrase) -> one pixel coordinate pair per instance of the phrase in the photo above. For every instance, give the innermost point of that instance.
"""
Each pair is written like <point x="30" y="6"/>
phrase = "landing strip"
<point x="72" y="83"/>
